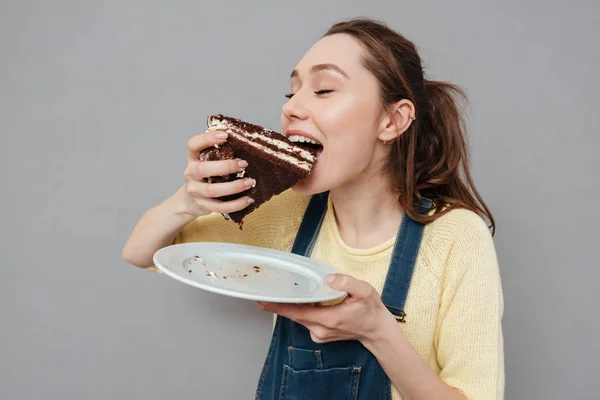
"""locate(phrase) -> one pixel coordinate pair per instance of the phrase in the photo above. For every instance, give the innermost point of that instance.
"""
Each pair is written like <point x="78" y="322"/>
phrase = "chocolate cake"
<point x="275" y="162"/>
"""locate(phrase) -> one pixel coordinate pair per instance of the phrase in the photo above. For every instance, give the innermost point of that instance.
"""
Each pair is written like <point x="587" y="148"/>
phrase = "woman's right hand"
<point x="199" y="196"/>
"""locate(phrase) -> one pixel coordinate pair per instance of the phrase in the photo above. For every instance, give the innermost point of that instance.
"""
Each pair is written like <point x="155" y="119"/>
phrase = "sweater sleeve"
<point x="469" y="340"/>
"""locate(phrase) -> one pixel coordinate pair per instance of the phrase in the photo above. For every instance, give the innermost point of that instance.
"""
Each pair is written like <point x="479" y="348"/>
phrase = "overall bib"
<point x="296" y="368"/>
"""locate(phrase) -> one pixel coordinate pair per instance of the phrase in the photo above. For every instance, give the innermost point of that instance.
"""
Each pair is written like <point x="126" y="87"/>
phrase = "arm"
<point x="157" y="228"/>
<point x="411" y="376"/>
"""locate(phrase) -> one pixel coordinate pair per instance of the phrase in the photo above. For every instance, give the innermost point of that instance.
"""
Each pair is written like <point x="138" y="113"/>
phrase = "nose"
<point x="294" y="109"/>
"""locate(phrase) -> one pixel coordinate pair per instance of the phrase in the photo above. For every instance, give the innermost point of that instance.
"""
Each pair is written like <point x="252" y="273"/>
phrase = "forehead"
<point x="342" y="50"/>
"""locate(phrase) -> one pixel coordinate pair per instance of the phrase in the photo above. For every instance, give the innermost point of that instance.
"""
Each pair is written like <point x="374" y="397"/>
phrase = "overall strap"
<point x="311" y="225"/>
<point x="402" y="263"/>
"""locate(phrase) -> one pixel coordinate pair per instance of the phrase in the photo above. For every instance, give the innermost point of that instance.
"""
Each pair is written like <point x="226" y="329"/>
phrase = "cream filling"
<point x="306" y="165"/>
<point x="217" y="125"/>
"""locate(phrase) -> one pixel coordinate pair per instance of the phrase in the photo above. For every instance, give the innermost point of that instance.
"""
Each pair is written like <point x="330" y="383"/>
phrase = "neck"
<point x="367" y="213"/>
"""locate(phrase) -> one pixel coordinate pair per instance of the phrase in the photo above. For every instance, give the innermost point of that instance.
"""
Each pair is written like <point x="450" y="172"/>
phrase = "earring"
<point x="385" y="140"/>
<point x="413" y="117"/>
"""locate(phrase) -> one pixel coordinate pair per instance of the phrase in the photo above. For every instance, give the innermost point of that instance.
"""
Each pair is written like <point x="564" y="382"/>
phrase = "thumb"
<point x="346" y="283"/>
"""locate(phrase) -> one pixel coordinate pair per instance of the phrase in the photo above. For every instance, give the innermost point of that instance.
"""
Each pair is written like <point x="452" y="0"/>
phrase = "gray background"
<point x="98" y="99"/>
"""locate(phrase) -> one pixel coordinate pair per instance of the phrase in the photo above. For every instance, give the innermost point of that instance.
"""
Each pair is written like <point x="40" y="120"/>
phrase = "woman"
<point x="391" y="204"/>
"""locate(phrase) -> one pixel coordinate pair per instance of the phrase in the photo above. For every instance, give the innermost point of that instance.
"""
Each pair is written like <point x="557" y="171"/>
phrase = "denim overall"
<point x="297" y="368"/>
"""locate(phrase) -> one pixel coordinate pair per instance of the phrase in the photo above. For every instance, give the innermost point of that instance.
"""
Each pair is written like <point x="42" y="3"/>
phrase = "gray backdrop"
<point x="98" y="99"/>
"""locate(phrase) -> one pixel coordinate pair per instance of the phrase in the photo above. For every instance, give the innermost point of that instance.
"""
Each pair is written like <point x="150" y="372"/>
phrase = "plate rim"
<point x="335" y="294"/>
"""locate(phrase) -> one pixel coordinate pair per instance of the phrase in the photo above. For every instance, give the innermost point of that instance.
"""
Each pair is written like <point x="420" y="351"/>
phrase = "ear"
<point x="397" y="121"/>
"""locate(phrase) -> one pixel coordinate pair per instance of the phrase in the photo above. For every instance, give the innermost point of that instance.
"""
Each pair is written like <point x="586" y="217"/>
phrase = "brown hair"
<point x="431" y="159"/>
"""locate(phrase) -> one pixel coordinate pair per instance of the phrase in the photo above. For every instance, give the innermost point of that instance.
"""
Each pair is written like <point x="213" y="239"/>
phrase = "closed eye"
<point x="317" y="92"/>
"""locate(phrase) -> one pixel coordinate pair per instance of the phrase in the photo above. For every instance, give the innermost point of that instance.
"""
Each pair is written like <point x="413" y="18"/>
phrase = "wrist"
<point x="385" y="331"/>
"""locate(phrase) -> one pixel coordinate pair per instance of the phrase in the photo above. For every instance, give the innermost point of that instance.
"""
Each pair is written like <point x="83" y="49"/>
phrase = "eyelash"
<point x="317" y="92"/>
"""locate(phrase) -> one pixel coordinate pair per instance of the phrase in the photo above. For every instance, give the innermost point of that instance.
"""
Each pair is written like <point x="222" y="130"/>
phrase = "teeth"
<point x="301" y="139"/>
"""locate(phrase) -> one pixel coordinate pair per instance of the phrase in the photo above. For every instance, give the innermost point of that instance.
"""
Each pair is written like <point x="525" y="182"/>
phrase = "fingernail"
<point x="249" y="182"/>
<point x="250" y="201"/>
<point x="242" y="163"/>
<point x="259" y="305"/>
<point x="221" y="135"/>
<point x="330" y="278"/>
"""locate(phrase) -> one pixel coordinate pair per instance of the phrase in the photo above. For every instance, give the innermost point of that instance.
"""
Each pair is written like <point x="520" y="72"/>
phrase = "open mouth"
<point x="307" y="144"/>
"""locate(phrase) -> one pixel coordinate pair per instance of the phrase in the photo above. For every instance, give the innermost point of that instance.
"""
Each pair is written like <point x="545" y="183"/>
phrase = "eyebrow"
<point x="321" y="67"/>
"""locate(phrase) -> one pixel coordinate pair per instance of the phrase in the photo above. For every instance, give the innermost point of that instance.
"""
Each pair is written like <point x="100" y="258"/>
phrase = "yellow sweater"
<point x="454" y="306"/>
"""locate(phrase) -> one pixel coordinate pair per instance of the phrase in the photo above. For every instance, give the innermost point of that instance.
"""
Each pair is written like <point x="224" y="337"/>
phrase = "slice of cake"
<point x="275" y="162"/>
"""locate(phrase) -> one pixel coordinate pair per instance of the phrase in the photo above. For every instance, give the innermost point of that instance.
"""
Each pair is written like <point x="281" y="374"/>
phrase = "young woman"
<point x="391" y="204"/>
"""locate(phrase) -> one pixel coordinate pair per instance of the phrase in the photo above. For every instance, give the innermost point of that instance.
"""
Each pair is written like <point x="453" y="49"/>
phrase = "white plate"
<point x="248" y="272"/>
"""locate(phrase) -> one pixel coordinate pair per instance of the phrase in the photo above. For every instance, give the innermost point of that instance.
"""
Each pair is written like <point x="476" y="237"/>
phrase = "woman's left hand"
<point x="361" y="316"/>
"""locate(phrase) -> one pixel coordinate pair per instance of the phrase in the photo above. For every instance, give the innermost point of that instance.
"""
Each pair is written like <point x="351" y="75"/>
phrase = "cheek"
<point x="350" y="156"/>
<point x="348" y="118"/>
<point x="348" y="125"/>
<point x="339" y="117"/>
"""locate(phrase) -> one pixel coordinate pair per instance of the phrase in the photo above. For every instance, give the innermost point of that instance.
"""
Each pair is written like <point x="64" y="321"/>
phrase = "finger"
<point x="215" y="190"/>
<point x="204" y="140"/>
<point x="224" y="207"/>
<point x="296" y="312"/>
<point x="205" y="169"/>
<point x="306" y="314"/>
<point x="354" y="287"/>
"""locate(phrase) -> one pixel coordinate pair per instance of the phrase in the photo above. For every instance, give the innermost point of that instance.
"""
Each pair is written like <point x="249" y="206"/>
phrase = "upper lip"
<point x="292" y="132"/>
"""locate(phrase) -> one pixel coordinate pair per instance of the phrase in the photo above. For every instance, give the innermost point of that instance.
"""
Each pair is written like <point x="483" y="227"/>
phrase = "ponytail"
<point x="441" y="160"/>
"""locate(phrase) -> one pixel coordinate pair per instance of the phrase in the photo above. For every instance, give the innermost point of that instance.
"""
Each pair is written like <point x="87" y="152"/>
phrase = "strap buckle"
<point x="398" y="313"/>
<point x="425" y="204"/>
